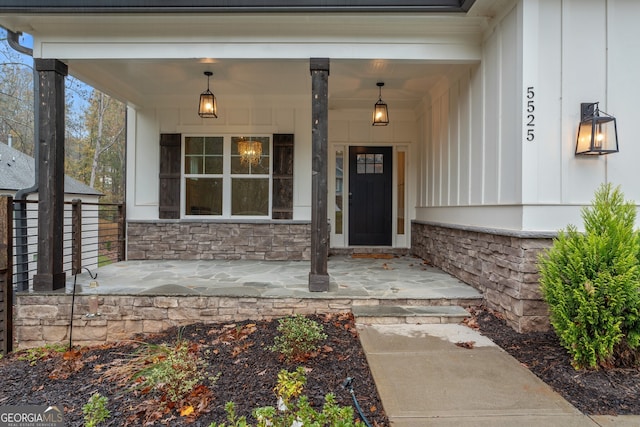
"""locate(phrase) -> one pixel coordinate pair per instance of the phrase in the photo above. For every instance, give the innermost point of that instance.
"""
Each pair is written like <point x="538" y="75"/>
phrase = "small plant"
<point x="173" y="370"/>
<point x="298" y="337"/>
<point x="95" y="410"/>
<point x="294" y="409"/>
<point x="232" y="418"/>
<point x="35" y="354"/>
<point x="591" y="282"/>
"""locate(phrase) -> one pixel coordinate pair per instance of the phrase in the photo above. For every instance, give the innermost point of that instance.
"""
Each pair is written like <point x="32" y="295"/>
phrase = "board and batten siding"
<point x="471" y="152"/>
<point x="477" y="166"/>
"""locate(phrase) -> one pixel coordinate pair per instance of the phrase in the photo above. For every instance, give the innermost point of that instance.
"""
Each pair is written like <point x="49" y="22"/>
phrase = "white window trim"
<point x="226" y="177"/>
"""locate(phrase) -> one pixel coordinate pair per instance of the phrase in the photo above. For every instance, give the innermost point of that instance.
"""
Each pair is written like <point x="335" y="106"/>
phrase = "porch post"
<point x="50" y="274"/>
<point x="318" y="277"/>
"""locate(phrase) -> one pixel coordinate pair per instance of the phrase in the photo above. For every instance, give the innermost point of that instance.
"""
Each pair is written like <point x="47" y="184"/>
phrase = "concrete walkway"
<point x="425" y="379"/>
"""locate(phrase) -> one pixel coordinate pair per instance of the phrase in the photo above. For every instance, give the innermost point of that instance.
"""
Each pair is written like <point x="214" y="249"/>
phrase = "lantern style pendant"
<point x="208" y="107"/>
<point x="380" y="111"/>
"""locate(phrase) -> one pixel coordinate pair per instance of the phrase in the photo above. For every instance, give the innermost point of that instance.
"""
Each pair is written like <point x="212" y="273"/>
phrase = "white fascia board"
<point x="435" y="52"/>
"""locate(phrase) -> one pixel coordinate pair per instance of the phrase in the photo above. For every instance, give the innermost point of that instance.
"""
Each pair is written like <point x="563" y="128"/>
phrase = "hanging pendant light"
<point x="208" y="107"/>
<point x="250" y="152"/>
<point x="380" y="112"/>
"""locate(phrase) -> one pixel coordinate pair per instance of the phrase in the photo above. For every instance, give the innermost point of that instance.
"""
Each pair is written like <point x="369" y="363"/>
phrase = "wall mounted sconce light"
<point x="208" y="107"/>
<point x="597" y="133"/>
<point x="380" y="111"/>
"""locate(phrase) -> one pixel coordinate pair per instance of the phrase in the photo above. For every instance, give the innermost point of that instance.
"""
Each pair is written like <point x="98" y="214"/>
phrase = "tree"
<point x="94" y="124"/>
<point x="101" y="164"/>
<point x="16" y="99"/>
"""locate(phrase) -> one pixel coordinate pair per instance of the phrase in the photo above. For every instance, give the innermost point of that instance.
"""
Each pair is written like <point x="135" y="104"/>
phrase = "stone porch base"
<point x="501" y="264"/>
<point x="44" y="319"/>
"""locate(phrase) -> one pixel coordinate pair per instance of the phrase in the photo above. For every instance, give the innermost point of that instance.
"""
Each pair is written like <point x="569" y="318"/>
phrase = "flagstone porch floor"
<point x="399" y="278"/>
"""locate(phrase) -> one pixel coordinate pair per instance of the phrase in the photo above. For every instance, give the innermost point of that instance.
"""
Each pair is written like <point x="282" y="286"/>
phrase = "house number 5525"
<point x="531" y="117"/>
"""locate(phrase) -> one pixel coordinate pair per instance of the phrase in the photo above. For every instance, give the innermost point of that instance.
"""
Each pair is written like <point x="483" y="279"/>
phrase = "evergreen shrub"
<point x="591" y="282"/>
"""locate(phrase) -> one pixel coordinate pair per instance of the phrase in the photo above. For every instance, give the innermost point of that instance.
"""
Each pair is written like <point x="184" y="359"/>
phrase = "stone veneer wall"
<point x="44" y="319"/>
<point x="188" y="240"/>
<point x="499" y="263"/>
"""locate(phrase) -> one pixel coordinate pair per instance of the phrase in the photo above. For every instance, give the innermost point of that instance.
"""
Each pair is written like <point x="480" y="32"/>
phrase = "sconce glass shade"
<point x="597" y="132"/>
<point x="380" y="111"/>
<point x="208" y="106"/>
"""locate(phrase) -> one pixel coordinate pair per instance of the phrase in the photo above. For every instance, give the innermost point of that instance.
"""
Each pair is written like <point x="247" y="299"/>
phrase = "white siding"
<point x="473" y="144"/>
<point x="480" y="168"/>
<point x="242" y="116"/>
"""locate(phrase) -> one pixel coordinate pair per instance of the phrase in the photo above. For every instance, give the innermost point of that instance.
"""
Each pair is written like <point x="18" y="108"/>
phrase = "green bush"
<point x="294" y="408"/>
<point x="591" y="282"/>
<point x="298" y="337"/>
<point x="95" y="410"/>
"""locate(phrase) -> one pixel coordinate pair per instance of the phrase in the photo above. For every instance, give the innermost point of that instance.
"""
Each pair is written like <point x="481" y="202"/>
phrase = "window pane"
<point x="261" y="168"/>
<point x="213" y="164"/>
<point x="193" y="164"/>
<point x="203" y="196"/>
<point x="238" y="167"/>
<point x="249" y="196"/>
<point x="213" y="145"/>
<point x="401" y="189"/>
<point x="339" y="186"/>
<point x="203" y="155"/>
<point x="193" y="145"/>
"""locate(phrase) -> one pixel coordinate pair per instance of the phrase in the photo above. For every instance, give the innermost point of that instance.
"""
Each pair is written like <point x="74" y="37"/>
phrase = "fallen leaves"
<point x="471" y="322"/>
<point x="466" y="344"/>
<point x="221" y="346"/>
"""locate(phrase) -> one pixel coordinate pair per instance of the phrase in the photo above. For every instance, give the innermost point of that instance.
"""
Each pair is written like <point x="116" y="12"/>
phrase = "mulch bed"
<point x="237" y="352"/>
<point x="593" y="392"/>
<point x="248" y="371"/>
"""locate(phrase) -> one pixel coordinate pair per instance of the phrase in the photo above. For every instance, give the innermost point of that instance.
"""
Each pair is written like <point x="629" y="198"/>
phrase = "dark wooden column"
<point x="318" y="277"/>
<point x="6" y="274"/>
<point x="50" y="275"/>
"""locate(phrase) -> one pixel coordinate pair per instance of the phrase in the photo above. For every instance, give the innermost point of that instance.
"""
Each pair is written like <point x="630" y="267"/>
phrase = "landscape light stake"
<point x="348" y="384"/>
<point x="73" y="299"/>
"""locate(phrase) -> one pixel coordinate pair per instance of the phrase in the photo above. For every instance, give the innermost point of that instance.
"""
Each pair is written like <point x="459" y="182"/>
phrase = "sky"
<point x="79" y="103"/>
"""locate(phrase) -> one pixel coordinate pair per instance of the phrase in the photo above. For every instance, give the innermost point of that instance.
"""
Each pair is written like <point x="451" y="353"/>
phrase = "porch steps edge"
<point x="396" y="314"/>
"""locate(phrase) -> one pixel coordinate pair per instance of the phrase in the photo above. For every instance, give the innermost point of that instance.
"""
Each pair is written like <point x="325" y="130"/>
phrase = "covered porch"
<point x="150" y="296"/>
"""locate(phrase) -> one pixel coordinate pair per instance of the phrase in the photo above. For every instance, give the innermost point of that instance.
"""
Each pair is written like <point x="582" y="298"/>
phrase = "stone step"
<point x="390" y="314"/>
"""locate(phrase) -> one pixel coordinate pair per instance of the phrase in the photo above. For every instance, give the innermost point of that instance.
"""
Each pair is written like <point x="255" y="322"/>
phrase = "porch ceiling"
<point x="352" y="83"/>
<point x="159" y="59"/>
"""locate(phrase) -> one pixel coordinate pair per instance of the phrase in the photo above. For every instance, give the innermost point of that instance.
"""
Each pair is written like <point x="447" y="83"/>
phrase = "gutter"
<point x="235" y="6"/>
<point x="20" y="209"/>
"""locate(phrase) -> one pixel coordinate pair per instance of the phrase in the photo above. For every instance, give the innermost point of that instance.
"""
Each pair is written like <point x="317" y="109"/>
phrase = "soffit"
<point x="156" y="80"/>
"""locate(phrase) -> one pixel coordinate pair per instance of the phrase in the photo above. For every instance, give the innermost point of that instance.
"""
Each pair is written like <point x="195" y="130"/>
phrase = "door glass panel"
<point x="370" y="163"/>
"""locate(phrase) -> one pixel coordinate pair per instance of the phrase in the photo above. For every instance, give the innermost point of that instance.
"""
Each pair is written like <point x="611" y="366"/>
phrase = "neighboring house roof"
<point x="17" y="172"/>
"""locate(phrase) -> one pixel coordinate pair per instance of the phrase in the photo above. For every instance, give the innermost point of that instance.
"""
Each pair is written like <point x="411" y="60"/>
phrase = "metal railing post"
<point x="76" y="236"/>
<point x="122" y="241"/>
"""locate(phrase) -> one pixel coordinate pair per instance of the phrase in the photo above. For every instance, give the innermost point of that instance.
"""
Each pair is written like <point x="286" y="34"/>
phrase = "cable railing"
<point x="93" y="236"/>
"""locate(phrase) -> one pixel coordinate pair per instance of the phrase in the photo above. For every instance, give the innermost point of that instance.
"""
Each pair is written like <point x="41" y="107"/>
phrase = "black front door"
<point x="370" y="196"/>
